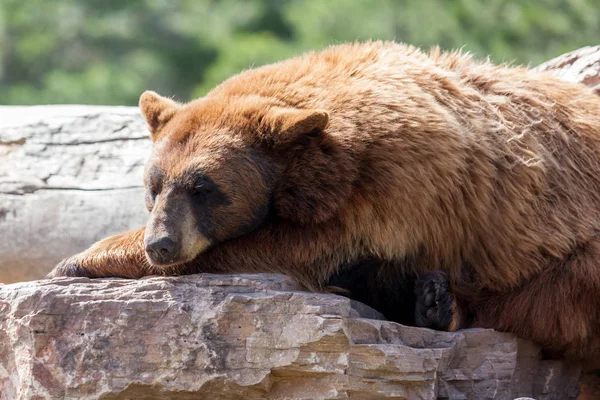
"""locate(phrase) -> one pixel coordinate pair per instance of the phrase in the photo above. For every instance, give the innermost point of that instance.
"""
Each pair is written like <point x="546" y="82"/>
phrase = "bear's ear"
<point x="157" y="110"/>
<point x="319" y="175"/>
<point x="284" y="126"/>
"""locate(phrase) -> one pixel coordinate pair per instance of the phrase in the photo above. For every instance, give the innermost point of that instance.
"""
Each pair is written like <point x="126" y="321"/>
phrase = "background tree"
<point x="109" y="51"/>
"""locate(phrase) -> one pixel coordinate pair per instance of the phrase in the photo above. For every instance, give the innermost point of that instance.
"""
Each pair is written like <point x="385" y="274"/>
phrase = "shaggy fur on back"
<point x="460" y="161"/>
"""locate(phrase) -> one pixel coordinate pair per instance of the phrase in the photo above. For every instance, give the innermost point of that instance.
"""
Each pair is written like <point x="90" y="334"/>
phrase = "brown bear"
<point x="366" y="165"/>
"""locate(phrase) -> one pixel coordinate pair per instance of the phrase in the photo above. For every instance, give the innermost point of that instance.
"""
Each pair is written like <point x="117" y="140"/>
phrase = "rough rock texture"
<point x="245" y="336"/>
<point x="69" y="176"/>
<point x="581" y="66"/>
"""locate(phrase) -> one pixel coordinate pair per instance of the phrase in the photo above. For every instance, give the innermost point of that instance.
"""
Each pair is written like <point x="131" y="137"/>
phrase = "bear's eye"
<point x="150" y="198"/>
<point x="154" y="181"/>
<point x="152" y="192"/>
<point x="201" y="190"/>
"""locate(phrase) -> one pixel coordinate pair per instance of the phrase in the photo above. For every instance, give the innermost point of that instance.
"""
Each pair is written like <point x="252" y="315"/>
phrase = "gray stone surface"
<point x="580" y="66"/>
<point x="245" y="337"/>
<point x="69" y="176"/>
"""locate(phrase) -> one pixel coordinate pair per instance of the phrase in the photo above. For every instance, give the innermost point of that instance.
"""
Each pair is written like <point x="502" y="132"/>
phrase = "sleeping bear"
<point x="444" y="191"/>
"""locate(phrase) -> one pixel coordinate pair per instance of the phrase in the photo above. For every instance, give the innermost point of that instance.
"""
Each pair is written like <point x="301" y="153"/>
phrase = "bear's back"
<point x="499" y="167"/>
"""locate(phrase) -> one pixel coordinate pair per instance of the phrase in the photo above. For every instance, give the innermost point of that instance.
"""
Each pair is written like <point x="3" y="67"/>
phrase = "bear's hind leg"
<point x="559" y="308"/>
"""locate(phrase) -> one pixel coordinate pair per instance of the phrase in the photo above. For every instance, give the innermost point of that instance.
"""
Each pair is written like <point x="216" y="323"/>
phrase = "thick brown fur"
<point x="489" y="173"/>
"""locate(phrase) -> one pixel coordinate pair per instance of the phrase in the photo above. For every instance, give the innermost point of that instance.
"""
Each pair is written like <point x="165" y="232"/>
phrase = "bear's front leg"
<point x="121" y="255"/>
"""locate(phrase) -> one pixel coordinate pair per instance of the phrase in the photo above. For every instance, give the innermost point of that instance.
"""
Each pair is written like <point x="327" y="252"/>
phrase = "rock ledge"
<point x="245" y="336"/>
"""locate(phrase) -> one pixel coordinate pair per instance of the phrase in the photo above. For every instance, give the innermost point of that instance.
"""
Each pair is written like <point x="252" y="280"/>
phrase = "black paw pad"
<point x="434" y="306"/>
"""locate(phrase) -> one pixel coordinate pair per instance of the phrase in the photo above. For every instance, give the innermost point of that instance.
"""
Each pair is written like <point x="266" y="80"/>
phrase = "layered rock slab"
<point x="245" y="337"/>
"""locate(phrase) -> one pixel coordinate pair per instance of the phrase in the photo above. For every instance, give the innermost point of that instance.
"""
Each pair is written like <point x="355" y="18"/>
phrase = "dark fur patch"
<point x="379" y="284"/>
<point x="153" y="183"/>
<point x="259" y="217"/>
<point x="204" y="201"/>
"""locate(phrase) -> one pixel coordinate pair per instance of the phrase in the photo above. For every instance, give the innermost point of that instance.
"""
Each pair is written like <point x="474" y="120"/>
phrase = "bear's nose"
<point x="160" y="250"/>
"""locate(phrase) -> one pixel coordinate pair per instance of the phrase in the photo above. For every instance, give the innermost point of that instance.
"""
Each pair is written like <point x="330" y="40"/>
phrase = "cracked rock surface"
<point x="245" y="337"/>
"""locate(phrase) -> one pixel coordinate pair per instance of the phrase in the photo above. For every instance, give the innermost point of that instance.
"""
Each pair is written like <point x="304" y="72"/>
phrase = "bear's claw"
<point x="69" y="268"/>
<point x="435" y="306"/>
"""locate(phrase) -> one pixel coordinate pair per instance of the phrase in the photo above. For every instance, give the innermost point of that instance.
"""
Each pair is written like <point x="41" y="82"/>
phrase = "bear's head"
<point x="221" y="167"/>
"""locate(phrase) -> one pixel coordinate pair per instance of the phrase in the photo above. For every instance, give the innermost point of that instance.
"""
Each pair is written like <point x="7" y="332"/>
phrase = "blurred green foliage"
<point x="109" y="51"/>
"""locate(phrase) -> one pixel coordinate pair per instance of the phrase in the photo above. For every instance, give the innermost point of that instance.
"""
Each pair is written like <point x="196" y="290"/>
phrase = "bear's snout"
<point x="161" y="250"/>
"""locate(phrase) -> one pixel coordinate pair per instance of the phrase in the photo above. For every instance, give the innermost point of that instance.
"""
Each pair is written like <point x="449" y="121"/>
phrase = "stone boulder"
<point x="246" y="337"/>
<point x="579" y="66"/>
